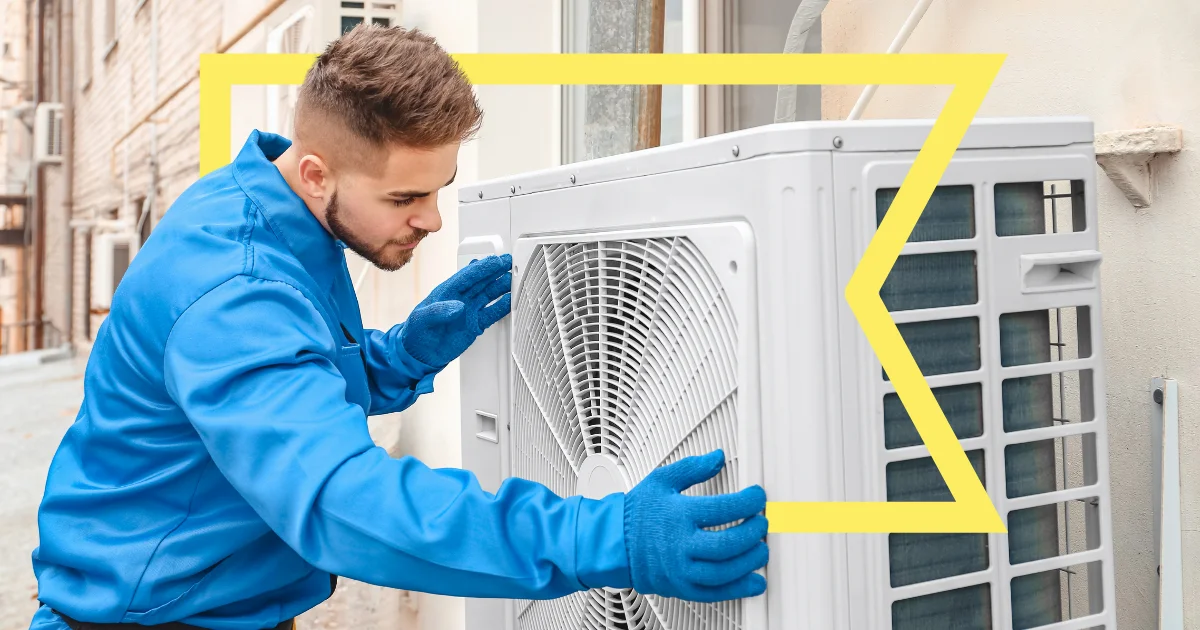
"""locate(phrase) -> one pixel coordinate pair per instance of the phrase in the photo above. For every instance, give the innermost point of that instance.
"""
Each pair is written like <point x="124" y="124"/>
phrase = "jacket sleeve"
<point x="395" y="377"/>
<point x="253" y="367"/>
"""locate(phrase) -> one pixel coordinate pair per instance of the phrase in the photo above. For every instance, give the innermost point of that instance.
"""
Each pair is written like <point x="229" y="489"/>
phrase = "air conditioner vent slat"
<point x="624" y="350"/>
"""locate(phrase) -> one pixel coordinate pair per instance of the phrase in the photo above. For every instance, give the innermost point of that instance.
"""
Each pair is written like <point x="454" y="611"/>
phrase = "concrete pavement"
<point x="38" y="402"/>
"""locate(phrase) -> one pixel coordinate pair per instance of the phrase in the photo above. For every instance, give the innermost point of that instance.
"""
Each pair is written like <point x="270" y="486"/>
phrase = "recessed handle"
<point x="1066" y="271"/>
<point x="486" y="426"/>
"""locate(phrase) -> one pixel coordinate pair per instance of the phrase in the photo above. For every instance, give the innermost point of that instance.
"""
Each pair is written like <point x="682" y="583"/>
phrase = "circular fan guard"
<point x="623" y="349"/>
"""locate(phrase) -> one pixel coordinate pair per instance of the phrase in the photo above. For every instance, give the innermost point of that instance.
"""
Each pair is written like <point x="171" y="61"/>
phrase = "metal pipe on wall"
<point x="37" y="220"/>
<point x="67" y="78"/>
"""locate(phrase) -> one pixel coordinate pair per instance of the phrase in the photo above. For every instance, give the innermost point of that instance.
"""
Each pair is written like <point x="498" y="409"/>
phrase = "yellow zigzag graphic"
<point x="971" y="75"/>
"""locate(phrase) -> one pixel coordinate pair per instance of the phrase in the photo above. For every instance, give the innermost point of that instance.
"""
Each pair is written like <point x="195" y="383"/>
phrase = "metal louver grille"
<point x="935" y="296"/>
<point x="625" y="354"/>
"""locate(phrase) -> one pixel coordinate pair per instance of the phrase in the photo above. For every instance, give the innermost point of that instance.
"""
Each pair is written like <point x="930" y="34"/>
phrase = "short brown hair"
<point x="385" y="86"/>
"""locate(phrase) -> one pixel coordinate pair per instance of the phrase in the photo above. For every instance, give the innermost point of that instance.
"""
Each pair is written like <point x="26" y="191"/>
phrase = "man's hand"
<point x="447" y="322"/>
<point x="672" y="554"/>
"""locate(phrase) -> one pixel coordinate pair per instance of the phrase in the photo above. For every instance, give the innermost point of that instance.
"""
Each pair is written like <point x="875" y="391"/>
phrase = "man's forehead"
<point x="419" y="172"/>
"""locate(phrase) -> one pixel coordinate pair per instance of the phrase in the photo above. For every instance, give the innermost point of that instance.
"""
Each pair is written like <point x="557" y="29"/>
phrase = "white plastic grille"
<point x="624" y="349"/>
<point x="1037" y="445"/>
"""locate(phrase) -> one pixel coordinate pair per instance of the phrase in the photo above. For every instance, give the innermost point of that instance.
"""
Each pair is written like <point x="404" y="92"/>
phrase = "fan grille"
<point x="624" y="349"/>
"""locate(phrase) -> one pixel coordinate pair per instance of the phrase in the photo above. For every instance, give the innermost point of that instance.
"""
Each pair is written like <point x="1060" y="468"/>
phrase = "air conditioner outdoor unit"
<point x="671" y="301"/>
<point x="113" y="251"/>
<point x="48" y="133"/>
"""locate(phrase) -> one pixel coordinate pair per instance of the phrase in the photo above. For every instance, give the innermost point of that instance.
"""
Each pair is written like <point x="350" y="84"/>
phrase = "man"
<point x="220" y="473"/>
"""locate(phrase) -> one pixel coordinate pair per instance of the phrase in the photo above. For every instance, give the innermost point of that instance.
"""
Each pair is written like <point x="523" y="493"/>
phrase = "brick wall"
<point x="116" y="91"/>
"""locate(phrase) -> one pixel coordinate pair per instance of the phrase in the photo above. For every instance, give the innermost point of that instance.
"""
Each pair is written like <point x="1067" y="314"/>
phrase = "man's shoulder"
<point x="212" y="235"/>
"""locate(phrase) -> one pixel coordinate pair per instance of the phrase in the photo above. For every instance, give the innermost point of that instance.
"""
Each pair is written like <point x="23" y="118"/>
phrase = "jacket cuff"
<point x="423" y="373"/>
<point x="601" y="559"/>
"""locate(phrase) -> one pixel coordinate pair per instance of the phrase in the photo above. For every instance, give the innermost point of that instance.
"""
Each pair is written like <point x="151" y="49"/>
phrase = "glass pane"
<point x="349" y="23"/>
<point x="381" y="21"/>
<point x="761" y="26"/>
<point x="602" y="120"/>
<point x="949" y="215"/>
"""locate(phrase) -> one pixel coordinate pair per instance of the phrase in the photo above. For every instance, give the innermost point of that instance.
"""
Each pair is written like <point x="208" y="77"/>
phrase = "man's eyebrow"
<point x="414" y="193"/>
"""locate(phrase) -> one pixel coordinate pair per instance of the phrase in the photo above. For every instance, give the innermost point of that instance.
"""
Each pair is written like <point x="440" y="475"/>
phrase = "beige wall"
<point x="1123" y="65"/>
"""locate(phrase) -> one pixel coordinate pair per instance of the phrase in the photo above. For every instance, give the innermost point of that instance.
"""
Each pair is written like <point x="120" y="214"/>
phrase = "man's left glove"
<point x="449" y="320"/>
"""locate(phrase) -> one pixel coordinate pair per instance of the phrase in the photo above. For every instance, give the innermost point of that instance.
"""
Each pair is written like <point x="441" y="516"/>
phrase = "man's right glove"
<point x="671" y="555"/>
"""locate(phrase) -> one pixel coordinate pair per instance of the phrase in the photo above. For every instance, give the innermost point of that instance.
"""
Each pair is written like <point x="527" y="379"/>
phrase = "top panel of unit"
<point x="780" y="138"/>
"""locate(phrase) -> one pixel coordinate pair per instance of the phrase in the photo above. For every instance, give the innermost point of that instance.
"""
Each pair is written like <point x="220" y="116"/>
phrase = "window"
<point x="604" y="120"/>
<point x="756" y="26"/>
<point x="600" y="121"/>
<point x="384" y="14"/>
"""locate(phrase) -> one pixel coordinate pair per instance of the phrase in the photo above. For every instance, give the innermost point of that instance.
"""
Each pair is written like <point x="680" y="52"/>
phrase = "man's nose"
<point x="428" y="217"/>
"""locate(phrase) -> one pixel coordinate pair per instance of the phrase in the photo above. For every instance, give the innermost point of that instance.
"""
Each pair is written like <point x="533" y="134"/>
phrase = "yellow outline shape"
<point x="972" y="75"/>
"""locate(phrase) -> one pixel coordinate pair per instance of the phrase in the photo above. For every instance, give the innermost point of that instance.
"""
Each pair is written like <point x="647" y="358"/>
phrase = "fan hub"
<point x="601" y="476"/>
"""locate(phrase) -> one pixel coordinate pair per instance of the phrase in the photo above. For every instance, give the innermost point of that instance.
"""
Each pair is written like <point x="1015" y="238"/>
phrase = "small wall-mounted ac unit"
<point x="671" y="301"/>
<point x="48" y="133"/>
<point x="112" y="252"/>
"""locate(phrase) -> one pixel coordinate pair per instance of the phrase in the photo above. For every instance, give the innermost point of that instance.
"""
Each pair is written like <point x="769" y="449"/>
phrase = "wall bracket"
<point x="1126" y="158"/>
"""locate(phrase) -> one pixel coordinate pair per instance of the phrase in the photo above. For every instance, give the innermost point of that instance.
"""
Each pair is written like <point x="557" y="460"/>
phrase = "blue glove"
<point x="671" y="555"/>
<point x="449" y="320"/>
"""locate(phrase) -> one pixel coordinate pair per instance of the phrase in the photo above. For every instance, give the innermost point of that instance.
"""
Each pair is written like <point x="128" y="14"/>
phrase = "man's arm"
<point x="395" y="377"/>
<point x="403" y="361"/>
<point x="253" y="367"/>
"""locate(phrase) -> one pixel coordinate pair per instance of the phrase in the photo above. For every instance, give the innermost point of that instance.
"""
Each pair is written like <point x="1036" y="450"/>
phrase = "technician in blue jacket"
<point x="220" y="473"/>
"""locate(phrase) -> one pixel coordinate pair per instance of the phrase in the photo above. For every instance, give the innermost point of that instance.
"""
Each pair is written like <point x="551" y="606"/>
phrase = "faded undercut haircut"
<point x="376" y="88"/>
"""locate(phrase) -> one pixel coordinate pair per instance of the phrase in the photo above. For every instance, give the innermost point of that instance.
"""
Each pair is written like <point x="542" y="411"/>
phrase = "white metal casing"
<point x="105" y="264"/>
<point x="48" y="133"/>
<point x="811" y="387"/>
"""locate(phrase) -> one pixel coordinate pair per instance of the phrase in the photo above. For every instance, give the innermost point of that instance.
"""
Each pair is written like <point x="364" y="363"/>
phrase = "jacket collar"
<point x="318" y="251"/>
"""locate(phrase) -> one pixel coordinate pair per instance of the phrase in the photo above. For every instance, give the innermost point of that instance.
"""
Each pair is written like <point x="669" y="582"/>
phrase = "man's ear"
<point x="314" y="176"/>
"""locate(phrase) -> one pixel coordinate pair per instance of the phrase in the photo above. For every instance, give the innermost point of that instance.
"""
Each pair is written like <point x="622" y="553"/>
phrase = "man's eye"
<point x="403" y="202"/>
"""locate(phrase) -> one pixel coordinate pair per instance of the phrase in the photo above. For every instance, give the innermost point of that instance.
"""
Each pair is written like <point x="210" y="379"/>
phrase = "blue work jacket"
<point x="220" y="470"/>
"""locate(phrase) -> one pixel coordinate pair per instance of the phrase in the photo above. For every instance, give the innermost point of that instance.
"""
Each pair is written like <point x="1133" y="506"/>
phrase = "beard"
<point x="380" y="257"/>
